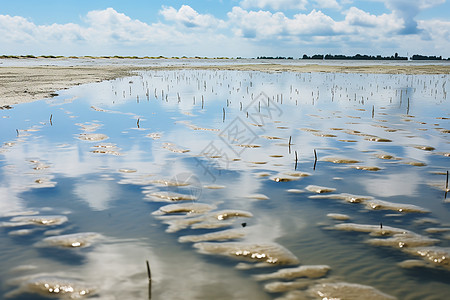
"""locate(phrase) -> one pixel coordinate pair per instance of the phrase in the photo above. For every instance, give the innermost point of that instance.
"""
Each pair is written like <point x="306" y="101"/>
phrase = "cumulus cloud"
<point x="407" y="10"/>
<point x="189" y="17"/>
<point x="267" y="25"/>
<point x="356" y="17"/>
<point x="328" y="4"/>
<point x="275" y="4"/>
<point x="243" y="32"/>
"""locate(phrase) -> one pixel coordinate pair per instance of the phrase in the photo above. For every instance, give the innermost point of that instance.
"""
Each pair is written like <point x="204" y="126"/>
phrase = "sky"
<point x="224" y="28"/>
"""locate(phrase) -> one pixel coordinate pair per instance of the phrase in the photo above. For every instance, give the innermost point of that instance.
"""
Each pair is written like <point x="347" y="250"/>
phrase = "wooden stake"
<point x="315" y="159"/>
<point x="289" y="145"/>
<point x="223" y="119"/>
<point x="51" y="117"/>
<point x="149" y="273"/>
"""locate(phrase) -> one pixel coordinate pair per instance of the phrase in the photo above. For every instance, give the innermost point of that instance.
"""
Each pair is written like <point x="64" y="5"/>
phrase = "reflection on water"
<point x="281" y="184"/>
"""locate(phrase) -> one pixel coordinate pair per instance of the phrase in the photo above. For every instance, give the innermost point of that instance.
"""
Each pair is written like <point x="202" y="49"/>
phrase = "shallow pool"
<point x="222" y="181"/>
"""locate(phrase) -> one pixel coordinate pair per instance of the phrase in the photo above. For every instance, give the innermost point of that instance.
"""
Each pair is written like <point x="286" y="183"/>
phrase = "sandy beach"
<point x="30" y="83"/>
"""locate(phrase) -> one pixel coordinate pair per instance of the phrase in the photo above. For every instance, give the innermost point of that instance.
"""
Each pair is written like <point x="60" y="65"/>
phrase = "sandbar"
<point x="29" y="83"/>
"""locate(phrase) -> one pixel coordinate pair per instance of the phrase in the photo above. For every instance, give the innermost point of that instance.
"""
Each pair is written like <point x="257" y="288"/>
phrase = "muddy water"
<point x="220" y="179"/>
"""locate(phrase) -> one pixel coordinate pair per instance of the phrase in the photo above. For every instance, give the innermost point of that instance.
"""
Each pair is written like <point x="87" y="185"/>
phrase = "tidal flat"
<point x="232" y="182"/>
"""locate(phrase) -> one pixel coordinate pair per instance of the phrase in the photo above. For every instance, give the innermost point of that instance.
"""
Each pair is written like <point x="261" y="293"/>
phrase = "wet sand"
<point x="27" y="84"/>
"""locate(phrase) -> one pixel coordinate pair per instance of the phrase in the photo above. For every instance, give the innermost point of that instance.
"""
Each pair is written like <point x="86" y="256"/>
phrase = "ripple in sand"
<point x="282" y="286"/>
<point x="35" y="220"/>
<point x="319" y="189"/>
<point x="75" y="240"/>
<point x="367" y="168"/>
<point x="127" y="170"/>
<point x="89" y="127"/>
<point x="295" y="191"/>
<point x="167" y="182"/>
<point x="226" y="214"/>
<point x="21" y="232"/>
<point x="412" y="263"/>
<point x="342" y="160"/>
<point x="377" y="139"/>
<point x="313" y="271"/>
<point x="50" y="286"/>
<point x="343" y="196"/>
<point x="214" y="186"/>
<point x="437" y="230"/>
<point x="188" y="208"/>
<point x="284" y="178"/>
<point x="348" y="291"/>
<point x="403" y="240"/>
<point x="210" y="221"/>
<point x="425" y="148"/>
<point x="298" y="174"/>
<point x="92" y="137"/>
<point x="414" y="163"/>
<point x="106" y="148"/>
<point x="257" y="197"/>
<point x="439" y="256"/>
<point x="224" y="235"/>
<point x="174" y="148"/>
<point x="267" y="253"/>
<point x="340" y="217"/>
<point x="248" y="146"/>
<point x="271" y="137"/>
<point x="169" y="197"/>
<point x="406" y="208"/>
<point x="321" y="134"/>
<point x="154" y="135"/>
<point x="387" y="157"/>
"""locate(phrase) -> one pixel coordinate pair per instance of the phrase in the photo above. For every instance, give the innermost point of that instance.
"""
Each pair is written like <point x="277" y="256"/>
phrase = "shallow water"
<point x="99" y="159"/>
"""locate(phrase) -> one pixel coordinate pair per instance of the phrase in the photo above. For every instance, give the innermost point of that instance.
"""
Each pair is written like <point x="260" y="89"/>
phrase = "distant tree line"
<point x="272" y="57"/>
<point x="356" y="57"/>
<point x="424" y="57"/>
<point x="371" y="57"/>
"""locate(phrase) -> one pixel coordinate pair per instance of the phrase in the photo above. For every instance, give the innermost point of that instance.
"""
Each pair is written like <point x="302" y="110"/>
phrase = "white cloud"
<point x="328" y="4"/>
<point x="275" y="4"/>
<point x="407" y="10"/>
<point x="267" y="25"/>
<point x="243" y="32"/>
<point x="188" y="17"/>
<point x="383" y="23"/>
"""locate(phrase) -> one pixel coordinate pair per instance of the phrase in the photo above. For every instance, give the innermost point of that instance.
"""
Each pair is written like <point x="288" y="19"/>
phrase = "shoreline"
<point x="30" y="83"/>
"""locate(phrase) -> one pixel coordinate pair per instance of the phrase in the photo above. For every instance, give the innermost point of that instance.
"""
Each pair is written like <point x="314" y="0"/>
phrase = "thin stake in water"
<point x="289" y="145"/>
<point x="446" y="187"/>
<point x="51" y="117"/>
<point x="17" y="130"/>
<point x="296" y="160"/>
<point x="315" y="159"/>
<point x="137" y="123"/>
<point x="223" y="110"/>
<point x="373" y="110"/>
<point x="149" y="275"/>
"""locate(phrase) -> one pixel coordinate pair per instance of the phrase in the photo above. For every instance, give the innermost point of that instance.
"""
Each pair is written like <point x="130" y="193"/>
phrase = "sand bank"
<point x="26" y="84"/>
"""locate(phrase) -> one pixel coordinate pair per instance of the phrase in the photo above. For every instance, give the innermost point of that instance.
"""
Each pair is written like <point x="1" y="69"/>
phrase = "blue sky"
<point x="231" y="28"/>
